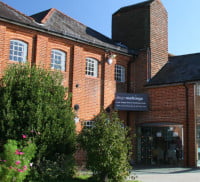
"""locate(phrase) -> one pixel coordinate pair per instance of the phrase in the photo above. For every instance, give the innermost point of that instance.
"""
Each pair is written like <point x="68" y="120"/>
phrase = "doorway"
<point x="159" y="144"/>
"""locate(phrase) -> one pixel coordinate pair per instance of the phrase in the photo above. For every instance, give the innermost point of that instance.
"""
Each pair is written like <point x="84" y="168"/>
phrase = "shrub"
<point x="33" y="101"/>
<point x="15" y="160"/>
<point x="107" y="147"/>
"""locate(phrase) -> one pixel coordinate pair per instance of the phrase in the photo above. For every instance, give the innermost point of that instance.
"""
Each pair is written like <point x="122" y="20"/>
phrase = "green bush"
<point x="15" y="160"/>
<point x="58" y="169"/>
<point x="33" y="102"/>
<point x="107" y="147"/>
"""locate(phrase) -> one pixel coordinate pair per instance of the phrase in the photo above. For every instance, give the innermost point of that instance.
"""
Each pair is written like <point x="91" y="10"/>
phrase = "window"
<point x="91" y="67"/>
<point x="88" y="124"/>
<point x="198" y="89"/>
<point x="18" y="51"/>
<point x="119" y="73"/>
<point x="58" y="60"/>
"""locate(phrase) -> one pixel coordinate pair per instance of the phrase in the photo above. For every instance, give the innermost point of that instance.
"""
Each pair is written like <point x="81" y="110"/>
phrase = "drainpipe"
<point x="103" y="80"/>
<point x="148" y="63"/>
<point x="187" y="121"/>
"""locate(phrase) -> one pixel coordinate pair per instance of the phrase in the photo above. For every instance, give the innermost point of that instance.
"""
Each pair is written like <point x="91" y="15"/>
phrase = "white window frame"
<point x="91" y="68"/>
<point x="198" y="89"/>
<point x="18" y="51"/>
<point x="58" y="60"/>
<point x="119" y="73"/>
<point x="88" y="124"/>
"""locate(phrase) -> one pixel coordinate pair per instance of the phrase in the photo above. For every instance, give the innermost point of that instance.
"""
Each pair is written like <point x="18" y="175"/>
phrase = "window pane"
<point x="18" y="51"/>
<point x="91" y="67"/>
<point x="119" y="73"/>
<point x="58" y="60"/>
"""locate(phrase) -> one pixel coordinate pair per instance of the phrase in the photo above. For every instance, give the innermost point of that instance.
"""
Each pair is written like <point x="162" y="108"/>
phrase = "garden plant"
<point x="34" y="102"/>
<point x="107" y="147"/>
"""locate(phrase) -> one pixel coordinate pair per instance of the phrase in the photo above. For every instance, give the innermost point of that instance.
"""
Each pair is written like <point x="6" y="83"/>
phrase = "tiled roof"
<point x="54" y="21"/>
<point x="7" y="12"/>
<point x="178" y="69"/>
<point x="58" y="22"/>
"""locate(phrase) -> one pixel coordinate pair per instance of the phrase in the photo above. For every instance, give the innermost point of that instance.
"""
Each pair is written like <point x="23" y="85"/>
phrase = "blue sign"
<point x="131" y="102"/>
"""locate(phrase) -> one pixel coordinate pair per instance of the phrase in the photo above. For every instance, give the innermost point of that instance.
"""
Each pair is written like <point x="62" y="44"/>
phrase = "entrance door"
<point x="160" y="145"/>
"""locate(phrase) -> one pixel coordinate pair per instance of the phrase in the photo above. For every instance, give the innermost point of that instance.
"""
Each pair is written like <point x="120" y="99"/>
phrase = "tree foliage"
<point x="32" y="102"/>
<point x="107" y="147"/>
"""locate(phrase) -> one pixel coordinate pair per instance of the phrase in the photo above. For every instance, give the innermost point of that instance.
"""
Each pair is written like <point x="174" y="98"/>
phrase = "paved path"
<point x="167" y="175"/>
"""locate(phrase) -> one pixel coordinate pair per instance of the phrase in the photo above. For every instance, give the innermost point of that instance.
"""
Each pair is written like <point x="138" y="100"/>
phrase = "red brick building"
<point x="156" y="95"/>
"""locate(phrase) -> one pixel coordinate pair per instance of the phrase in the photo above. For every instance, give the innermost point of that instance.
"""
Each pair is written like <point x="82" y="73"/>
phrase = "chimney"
<point x="144" y="26"/>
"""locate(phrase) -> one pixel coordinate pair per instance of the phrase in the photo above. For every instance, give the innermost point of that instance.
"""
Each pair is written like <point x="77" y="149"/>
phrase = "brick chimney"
<point x="144" y="27"/>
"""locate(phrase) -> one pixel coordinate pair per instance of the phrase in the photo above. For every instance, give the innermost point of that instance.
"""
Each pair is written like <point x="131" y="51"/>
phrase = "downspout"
<point x="187" y="120"/>
<point x="102" y="85"/>
<point x="148" y="63"/>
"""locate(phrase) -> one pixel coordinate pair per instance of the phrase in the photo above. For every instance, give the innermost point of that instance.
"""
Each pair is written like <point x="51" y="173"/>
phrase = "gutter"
<point x="43" y="30"/>
<point x="170" y="84"/>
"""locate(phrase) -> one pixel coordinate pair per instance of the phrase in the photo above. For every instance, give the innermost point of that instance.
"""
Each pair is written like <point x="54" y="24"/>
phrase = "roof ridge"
<point x="54" y="9"/>
<point x="50" y="12"/>
<point x="4" y="4"/>
<point x="69" y="17"/>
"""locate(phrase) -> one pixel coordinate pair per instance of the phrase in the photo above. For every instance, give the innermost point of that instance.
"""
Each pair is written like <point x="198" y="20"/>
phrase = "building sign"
<point x="131" y="102"/>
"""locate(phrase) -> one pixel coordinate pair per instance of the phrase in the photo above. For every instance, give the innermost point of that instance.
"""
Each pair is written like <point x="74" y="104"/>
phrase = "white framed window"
<point x="119" y="73"/>
<point x="198" y="89"/>
<point x="18" y="51"/>
<point x="88" y="124"/>
<point x="91" y="67"/>
<point x="58" y="59"/>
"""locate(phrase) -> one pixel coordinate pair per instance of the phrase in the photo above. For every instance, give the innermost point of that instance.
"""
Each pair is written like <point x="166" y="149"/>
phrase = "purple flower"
<point x="19" y="153"/>
<point x="25" y="167"/>
<point x="20" y="170"/>
<point x="24" y="136"/>
<point x="18" y="162"/>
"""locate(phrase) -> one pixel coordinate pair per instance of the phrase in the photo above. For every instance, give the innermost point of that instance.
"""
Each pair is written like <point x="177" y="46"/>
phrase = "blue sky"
<point x="183" y="17"/>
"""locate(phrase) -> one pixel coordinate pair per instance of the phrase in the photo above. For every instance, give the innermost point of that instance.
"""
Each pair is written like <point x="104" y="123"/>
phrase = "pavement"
<point x="167" y="174"/>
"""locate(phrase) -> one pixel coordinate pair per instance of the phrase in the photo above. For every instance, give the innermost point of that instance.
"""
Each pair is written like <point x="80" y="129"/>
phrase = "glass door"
<point x="160" y="145"/>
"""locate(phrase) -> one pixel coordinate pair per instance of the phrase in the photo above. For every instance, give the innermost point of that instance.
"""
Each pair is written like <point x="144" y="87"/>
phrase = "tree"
<point x="107" y="148"/>
<point x="33" y="102"/>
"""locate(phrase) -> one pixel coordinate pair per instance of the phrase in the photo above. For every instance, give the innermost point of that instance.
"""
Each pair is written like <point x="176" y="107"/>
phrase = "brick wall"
<point x="90" y="93"/>
<point x="158" y="36"/>
<point x="169" y="105"/>
<point x="131" y="27"/>
<point x="140" y="72"/>
<point x="144" y="27"/>
<point x="9" y="32"/>
<point x="190" y="136"/>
